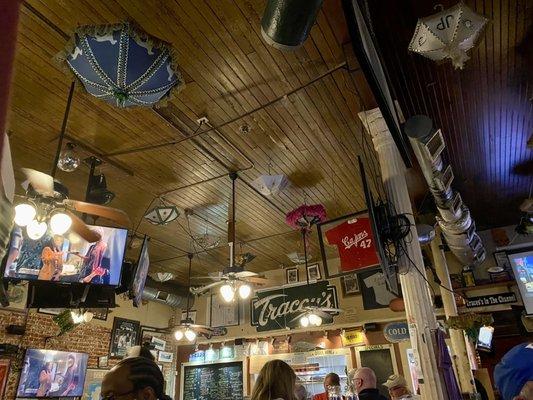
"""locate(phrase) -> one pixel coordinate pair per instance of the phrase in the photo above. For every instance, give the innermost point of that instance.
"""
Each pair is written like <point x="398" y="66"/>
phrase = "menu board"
<point x="220" y="381"/>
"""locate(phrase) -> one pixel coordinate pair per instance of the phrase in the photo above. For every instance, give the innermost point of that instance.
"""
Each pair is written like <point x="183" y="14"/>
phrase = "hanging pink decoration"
<point x="303" y="217"/>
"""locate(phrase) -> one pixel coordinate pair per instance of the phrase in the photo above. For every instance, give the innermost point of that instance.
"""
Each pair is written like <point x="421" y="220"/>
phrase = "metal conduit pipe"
<point x="172" y="295"/>
<point x="454" y="219"/>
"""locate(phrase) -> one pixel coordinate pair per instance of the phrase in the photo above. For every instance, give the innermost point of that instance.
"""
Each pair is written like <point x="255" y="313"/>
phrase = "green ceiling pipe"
<point x="287" y="23"/>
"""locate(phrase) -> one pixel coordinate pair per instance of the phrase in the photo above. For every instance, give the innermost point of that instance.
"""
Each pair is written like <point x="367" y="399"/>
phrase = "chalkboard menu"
<point x="220" y="381"/>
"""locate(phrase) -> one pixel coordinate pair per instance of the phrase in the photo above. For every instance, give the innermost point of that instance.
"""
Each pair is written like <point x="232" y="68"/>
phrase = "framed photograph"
<point x="350" y="285"/>
<point x="501" y="260"/>
<point x="292" y="275"/>
<point x="125" y="333"/>
<point x="313" y="272"/>
<point x="159" y="344"/>
<point x="165" y="356"/>
<point x="103" y="362"/>
<point x="347" y="245"/>
<point x="4" y="375"/>
<point x="192" y="315"/>
<point x="374" y="290"/>
<point x="93" y="383"/>
<point x="223" y="314"/>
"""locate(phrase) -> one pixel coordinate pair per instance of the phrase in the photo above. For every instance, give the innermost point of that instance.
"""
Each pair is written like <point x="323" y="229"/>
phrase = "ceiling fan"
<point x="187" y="328"/>
<point x="313" y="315"/>
<point x="46" y="199"/>
<point x="233" y="278"/>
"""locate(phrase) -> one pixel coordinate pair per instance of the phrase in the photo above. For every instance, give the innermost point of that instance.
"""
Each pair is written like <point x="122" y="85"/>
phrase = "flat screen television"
<point x="141" y="272"/>
<point x="67" y="258"/>
<point x="51" y="373"/>
<point x="522" y="264"/>
<point x="484" y="338"/>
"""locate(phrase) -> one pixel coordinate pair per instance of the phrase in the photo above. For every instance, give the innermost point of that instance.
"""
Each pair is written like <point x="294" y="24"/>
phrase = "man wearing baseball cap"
<point x="513" y="375"/>
<point x="398" y="388"/>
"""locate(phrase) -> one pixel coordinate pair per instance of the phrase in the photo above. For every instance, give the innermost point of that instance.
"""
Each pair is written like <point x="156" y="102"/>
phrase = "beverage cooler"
<point x="310" y="367"/>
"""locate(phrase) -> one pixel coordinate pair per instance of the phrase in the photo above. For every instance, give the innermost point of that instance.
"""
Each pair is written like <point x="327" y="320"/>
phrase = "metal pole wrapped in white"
<point x="418" y="303"/>
<point x="457" y="337"/>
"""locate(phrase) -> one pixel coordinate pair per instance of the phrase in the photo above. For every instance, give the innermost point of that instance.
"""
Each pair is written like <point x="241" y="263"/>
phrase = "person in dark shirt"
<point x="365" y="384"/>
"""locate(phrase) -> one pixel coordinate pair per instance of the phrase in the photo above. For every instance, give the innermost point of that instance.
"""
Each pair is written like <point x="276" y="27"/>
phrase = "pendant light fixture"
<point x="162" y="214"/>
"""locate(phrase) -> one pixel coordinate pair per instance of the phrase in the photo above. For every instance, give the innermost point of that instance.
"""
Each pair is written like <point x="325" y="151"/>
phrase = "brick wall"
<point x="86" y="338"/>
<point x="41" y="332"/>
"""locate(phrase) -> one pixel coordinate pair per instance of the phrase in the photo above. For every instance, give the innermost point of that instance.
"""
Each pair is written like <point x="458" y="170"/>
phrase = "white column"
<point x="418" y="303"/>
<point x="457" y="336"/>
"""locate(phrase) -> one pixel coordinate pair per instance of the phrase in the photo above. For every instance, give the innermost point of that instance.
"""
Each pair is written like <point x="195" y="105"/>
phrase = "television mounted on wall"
<point x="67" y="258"/>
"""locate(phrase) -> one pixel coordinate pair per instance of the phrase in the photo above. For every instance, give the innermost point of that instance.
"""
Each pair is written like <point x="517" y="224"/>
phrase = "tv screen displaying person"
<point x="52" y="259"/>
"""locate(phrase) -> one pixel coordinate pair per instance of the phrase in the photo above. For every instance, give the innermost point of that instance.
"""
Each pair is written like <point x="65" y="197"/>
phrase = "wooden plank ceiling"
<point x="484" y="110"/>
<point x="301" y="109"/>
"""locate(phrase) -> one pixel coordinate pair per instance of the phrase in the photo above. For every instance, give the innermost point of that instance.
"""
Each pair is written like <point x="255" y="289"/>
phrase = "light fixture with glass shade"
<point x="244" y="291"/>
<point x="36" y="229"/>
<point x="162" y="214"/>
<point x="60" y="222"/>
<point x="69" y="159"/>
<point x="228" y="292"/>
<point x="178" y="335"/>
<point x="190" y="335"/>
<point x="24" y="214"/>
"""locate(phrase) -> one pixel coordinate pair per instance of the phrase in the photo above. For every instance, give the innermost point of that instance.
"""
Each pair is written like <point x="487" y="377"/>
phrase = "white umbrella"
<point x="269" y="185"/>
<point x="448" y="34"/>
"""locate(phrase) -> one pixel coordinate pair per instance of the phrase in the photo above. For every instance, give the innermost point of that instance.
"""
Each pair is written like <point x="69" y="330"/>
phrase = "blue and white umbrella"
<point x="123" y="65"/>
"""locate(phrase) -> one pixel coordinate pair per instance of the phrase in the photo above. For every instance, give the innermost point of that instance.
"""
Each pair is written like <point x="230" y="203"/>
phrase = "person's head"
<point x="331" y="379"/>
<point x="300" y="392"/>
<point x="276" y="380"/>
<point x="397" y="386"/>
<point x="71" y="360"/>
<point x="134" y="378"/>
<point x="513" y="375"/>
<point x="364" y="378"/>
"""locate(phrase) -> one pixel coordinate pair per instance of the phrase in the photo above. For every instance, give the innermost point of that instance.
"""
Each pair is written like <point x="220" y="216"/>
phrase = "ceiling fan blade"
<point x="244" y="274"/>
<point x="329" y="309"/>
<point x="296" y="318"/>
<point x="42" y="183"/>
<point x="79" y="227"/>
<point x="322" y="314"/>
<point x="204" y="327"/>
<point x="205" y="288"/>
<point x="257" y="280"/>
<point x="113" y="214"/>
<point x="211" y="278"/>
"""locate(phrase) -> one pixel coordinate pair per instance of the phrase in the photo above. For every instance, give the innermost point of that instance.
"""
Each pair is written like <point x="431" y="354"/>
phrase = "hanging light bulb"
<point x="190" y="335"/>
<point x="60" y="223"/>
<point x="68" y="159"/>
<point x="24" y="214"/>
<point x="315" y="320"/>
<point x="304" y="321"/>
<point x="178" y="335"/>
<point x="227" y="292"/>
<point x="244" y="291"/>
<point x="88" y="316"/>
<point x="36" y="229"/>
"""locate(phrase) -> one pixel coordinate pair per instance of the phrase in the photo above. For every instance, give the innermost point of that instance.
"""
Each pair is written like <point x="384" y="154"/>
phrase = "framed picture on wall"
<point x="374" y="289"/>
<point x="103" y="362"/>
<point x="347" y="244"/>
<point x="292" y="275"/>
<point x="125" y="333"/>
<point x="223" y="314"/>
<point x="350" y="285"/>
<point x="93" y="383"/>
<point x="4" y="374"/>
<point x="159" y="344"/>
<point x="313" y="272"/>
<point x="165" y="356"/>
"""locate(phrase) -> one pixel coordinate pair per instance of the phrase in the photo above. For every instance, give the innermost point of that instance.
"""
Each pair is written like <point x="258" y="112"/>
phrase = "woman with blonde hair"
<point x="276" y="381"/>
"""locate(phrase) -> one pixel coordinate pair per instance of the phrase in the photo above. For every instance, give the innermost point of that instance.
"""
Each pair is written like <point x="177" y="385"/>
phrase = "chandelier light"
<point x="244" y="291"/>
<point x="60" y="223"/>
<point x="228" y="292"/>
<point x="190" y="335"/>
<point x="69" y="159"/>
<point x="24" y="214"/>
<point x="178" y="335"/>
<point x="36" y="229"/>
